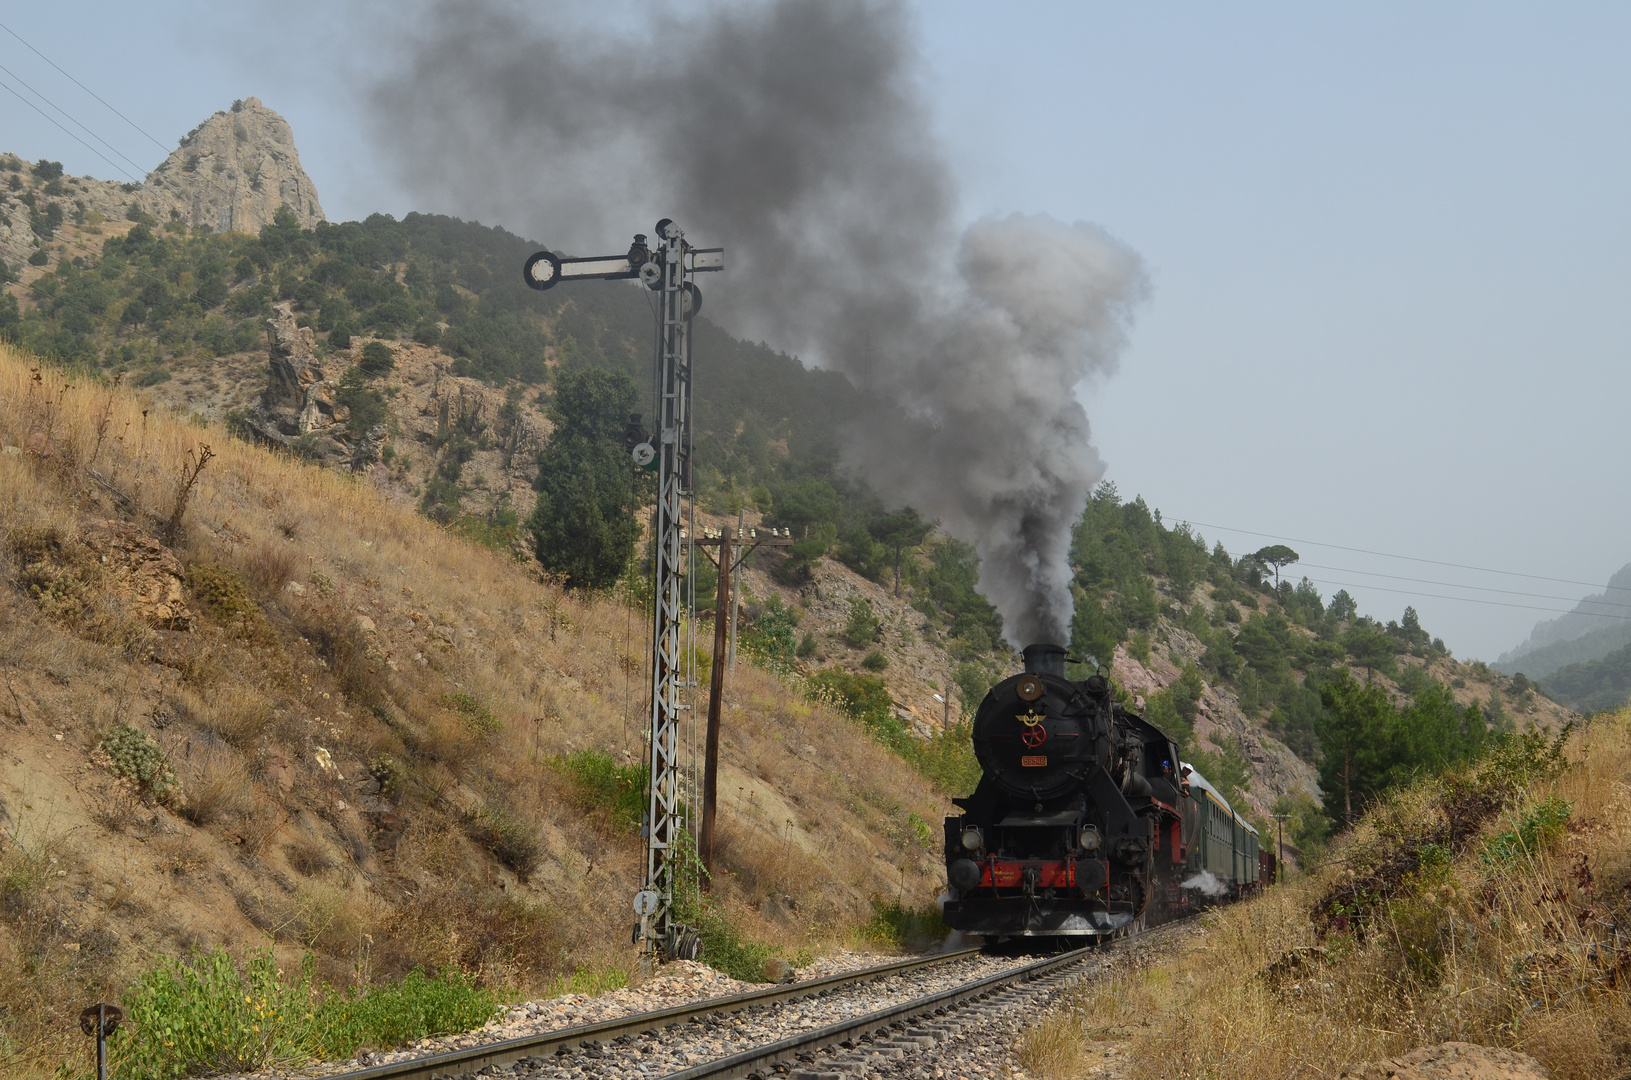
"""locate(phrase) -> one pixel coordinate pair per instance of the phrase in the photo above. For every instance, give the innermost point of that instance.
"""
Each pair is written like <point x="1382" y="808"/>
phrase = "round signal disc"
<point x="1029" y="688"/>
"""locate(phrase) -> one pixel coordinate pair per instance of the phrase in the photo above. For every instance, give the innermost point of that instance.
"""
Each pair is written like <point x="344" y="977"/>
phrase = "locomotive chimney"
<point x="1044" y="659"/>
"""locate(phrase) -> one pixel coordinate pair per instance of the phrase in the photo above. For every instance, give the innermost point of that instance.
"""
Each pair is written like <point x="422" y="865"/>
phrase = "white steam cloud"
<point x="1206" y="882"/>
<point x="794" y="134"/>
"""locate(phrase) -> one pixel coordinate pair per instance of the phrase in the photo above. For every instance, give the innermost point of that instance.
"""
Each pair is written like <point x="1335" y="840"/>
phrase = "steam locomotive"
<point x="1085" y="823"/>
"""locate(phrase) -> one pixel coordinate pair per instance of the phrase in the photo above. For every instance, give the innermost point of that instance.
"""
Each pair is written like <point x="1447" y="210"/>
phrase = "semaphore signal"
<point x="666" y="269"/>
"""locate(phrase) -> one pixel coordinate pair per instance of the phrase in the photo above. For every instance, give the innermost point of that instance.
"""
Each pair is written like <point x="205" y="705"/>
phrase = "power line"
<point x="65" y="131"/>
<point x="1463" y="599"/>
<point x="1454" y="585"/>
<point x="1407" y="558"/>
<point x="65" y="113"/>
<point x="83" y="87"/>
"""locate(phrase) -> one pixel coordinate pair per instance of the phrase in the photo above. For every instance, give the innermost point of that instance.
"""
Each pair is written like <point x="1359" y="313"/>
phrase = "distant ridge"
<point x="1597" y="626"/>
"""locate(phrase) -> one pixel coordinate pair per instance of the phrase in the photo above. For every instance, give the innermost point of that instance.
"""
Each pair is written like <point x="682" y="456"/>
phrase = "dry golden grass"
<point x="1527" y="955"/>
<point x="333" y="631"/>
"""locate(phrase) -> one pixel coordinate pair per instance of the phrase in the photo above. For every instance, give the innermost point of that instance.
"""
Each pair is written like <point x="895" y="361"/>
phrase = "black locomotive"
<point x="1084" y="823"/>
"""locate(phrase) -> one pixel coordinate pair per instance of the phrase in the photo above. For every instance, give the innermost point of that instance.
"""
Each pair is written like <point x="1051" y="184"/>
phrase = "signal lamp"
<point x="1090" y="839"/>
<point x="972" y="839"/>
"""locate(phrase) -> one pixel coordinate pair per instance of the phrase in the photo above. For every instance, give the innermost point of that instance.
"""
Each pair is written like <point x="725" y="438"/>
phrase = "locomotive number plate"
<point x="1033" y="761"/>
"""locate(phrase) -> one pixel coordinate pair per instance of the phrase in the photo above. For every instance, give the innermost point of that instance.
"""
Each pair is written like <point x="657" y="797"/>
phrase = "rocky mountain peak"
<point x="232" y="172"/>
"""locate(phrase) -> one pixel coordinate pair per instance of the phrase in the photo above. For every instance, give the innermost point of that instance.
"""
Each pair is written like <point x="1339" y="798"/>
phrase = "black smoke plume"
<point x="794" y="133"/>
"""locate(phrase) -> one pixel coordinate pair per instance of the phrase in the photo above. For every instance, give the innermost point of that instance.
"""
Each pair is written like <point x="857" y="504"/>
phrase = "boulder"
<point x="143" y="573"/>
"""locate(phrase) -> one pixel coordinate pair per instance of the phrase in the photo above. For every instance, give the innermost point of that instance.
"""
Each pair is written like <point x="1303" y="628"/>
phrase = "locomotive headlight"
<point x="1090" y="839"/>
<point x="973" y="840"/>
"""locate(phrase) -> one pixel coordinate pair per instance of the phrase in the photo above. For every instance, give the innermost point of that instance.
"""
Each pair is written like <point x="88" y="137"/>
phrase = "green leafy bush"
<point x="768" y="637"/>
<point x="377" y="358"/>
<point x="875" y="661"/>
<point x="903" y="927"/>
<point x="1535" y="829"/>
<point x="618" y="791"/>
<point x="208" y="1014"/>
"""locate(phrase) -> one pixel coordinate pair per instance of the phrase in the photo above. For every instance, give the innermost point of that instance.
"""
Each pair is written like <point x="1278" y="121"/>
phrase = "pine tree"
<point x="589" y="491"/>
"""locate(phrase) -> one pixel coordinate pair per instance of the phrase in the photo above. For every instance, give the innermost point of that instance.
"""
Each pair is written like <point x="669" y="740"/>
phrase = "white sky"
<point x="1389" y="245"/>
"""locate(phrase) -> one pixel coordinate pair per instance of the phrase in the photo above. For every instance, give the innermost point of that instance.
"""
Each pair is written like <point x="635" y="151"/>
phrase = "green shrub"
<point x="947" y="759"/>
<point x="768" y="637"/>
<point x="875" y="661"/>
<point x="903" y="927"/>
<point x="138" y="758"/>
<point x="207" y="1014"/>
<point x="224" y="593"/>
<point x="1535" y="829"/>
<point x="862" y="626"/>
<point x="377" y="358"/>
<point x="39" y="257"/>
<point x="726" y="949"/>
<point x="618" y="791"/>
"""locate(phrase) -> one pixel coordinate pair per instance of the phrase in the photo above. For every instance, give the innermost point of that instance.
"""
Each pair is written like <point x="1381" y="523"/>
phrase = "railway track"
<point x="858" y="1022"/>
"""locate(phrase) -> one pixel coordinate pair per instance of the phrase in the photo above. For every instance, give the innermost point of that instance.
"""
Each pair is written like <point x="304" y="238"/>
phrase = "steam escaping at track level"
<point x="794" y="134"/>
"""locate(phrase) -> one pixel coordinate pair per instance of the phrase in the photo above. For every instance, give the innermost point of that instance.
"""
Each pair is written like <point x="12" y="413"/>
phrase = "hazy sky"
<point x="1388" y="245"/>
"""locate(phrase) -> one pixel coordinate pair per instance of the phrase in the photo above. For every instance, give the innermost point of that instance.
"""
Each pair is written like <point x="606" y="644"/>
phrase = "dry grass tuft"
<point x="218" y="789"/>
<point x="269" y="567"/>
<point x="308" y="857"/>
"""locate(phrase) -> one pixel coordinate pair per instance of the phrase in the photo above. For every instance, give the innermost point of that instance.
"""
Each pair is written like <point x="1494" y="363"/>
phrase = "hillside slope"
<point x="1596" y="685"/>
<point x="315" y="717"/>
<point x="1483" y="906"/>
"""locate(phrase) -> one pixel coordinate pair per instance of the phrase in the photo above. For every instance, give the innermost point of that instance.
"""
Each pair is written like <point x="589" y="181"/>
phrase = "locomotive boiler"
<point x="1083" y="824"/>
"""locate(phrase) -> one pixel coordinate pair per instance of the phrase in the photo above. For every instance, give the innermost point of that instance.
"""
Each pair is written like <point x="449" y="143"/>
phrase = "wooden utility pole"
<point x="736" y="602"/>
<point x="716" y="698"/>
<point x="732" y="550"/>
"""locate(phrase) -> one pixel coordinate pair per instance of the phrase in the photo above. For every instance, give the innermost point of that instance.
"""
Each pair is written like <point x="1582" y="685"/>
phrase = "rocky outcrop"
<point x="298" y="401"/>
<point x="232" y="173"/>
<point x="297" y="398"/>
<point x="143" y="573"/>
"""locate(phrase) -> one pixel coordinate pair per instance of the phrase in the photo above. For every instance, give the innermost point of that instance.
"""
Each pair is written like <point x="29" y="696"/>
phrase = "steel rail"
<point x="761" y="1058"/>
<point x="544" y="1044"/>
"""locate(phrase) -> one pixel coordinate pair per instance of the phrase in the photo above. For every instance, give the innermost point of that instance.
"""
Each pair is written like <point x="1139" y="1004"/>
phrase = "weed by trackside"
<point x="211" y="1014"/>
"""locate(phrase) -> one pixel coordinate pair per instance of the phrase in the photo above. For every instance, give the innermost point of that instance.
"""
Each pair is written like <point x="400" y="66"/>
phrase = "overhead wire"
<point x="65" y="131"/>
<point x="1454" y="585"/>
<point x="1407" y="558"/>
<point x="1468" y="599"/>
<point x="83" y="87"/>
<point x="72" y="119"/>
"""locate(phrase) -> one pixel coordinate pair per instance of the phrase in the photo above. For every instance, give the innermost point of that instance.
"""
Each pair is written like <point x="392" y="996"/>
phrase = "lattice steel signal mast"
<point x="666" y="270"/>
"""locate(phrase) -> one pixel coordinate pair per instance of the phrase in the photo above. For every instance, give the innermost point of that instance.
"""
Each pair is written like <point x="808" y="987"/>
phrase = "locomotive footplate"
<point x="1024" y="916"/>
